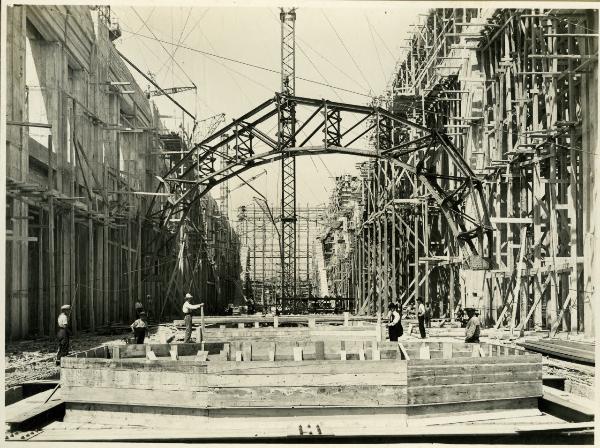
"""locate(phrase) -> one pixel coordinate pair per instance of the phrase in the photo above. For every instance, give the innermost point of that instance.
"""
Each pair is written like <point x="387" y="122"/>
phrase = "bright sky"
<point x="354" y="46"/>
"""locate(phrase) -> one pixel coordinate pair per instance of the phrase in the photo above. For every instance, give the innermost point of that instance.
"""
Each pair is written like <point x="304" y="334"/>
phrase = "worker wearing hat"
<point x="64" y="332"/>
<point x="473" y="328"/>
<point x="188" y="308"/>
<point x="140" y="328"/>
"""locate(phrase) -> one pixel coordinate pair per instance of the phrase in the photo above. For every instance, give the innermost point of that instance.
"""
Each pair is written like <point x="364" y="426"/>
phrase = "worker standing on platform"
<point x="421" y="317"/>
<point x="64" y="332"/>
<point x="140" y="328"/>
<point x="394" y="325"/>
<point x="187" y="309"/>
<point x="473" y="326"/>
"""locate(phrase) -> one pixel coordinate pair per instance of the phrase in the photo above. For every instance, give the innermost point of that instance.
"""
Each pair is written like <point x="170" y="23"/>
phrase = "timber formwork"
<point x="516" y="90"/>
<point x="249" y="388"/>
<point x="82" y="143"/>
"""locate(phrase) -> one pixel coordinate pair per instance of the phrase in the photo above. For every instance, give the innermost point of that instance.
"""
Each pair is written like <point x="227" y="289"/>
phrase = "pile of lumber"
<point x="559" y="348"/>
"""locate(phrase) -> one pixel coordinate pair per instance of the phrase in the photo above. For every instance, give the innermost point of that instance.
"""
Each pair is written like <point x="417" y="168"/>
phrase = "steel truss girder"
<point x="471" y="228"/>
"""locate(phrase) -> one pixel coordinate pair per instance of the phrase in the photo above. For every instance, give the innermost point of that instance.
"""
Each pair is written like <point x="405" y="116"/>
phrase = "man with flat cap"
<point x="64" y="332"/>
<point x="187" y="309"/>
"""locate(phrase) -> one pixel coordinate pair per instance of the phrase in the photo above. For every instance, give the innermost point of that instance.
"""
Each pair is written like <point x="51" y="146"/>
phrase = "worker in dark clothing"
<point x="64" y="332"/>
<point x="187" y="309"/>
<point x="421" y="317"/>
<point x="427" y="315"/>
<point x="394" y="325"/>
<point x="460" y="314"/>
<point x="138" y="308"/>
<point x="473" y="326"/>
<point x="140" y="328"/>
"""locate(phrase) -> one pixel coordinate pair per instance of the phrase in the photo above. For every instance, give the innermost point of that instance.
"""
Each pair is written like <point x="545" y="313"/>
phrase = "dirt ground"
<point x="35" y="359"/>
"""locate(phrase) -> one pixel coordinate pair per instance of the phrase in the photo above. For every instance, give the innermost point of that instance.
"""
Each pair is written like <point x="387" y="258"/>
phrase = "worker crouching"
<point x="473" y="326"/>
<point x="64" y="332"/>
<point x="187" y="309"/>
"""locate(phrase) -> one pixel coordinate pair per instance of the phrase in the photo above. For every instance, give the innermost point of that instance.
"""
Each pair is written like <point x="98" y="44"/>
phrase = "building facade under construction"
<point x="516" y="92"/>
<point x="84" y="147"/>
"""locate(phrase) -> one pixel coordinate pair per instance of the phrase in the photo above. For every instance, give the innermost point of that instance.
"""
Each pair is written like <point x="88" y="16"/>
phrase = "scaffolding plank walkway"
<point x="25" y="410"/>
<point x="575" y="351"/>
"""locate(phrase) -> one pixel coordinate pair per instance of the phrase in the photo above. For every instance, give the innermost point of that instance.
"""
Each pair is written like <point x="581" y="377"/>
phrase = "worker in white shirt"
<point x="64" y="333"/>
<point x="187" y="309"/>
<point x="421" y="317"/>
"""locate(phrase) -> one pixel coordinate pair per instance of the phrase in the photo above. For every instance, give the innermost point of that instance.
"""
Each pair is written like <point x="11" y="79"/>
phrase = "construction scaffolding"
<point x="259" y="229"/>
<point x="516" y="91"/>
<point x="84" y="147"/>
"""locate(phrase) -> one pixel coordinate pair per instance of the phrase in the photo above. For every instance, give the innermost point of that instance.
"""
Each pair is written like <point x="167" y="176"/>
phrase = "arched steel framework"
<point x="418" y="150"/>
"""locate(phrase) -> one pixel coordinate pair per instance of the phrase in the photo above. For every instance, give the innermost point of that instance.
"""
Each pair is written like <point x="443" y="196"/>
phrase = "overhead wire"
<point x="163" y="47"/>
<point x="328" y="61"/>
<point x="384" y="44"/>
<point x="178" y="42"/>
<point x="248" y="64"/>
<point x="242" y="91"/>
<point x="347" y="51"/>
<point x="376" y="49"/>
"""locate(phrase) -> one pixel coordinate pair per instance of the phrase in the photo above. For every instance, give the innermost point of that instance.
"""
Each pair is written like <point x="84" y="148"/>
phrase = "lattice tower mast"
<point x="287" y="130"/>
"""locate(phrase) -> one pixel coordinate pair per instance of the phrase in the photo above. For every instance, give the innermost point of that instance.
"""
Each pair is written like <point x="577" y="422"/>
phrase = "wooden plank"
<point x="141" y="397"/>
<point x="491" y="377"/>
<point x="246" y="351"/>
<point x="468" y="369"/>
<point x="424" y="352"/>
<point x="305" y="367"/>
<point x="447" y="350"/>
<point x="319" y="350"/>
<point x="570" y="401"/>
<point x="165" y="364"/>
<point x="307" y="379"/>
<point x="202" y="355"/>
<point x="132" y="379"/>
<point x="34" y="411"/>
<point x="469" y="392"/>
<point x="297" y="353"/>
<point x="509" y="359"/>
<point x="286" y="397"/>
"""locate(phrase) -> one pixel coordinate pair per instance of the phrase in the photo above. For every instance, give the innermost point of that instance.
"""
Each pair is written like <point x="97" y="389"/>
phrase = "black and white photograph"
<point x="319" y="222"/>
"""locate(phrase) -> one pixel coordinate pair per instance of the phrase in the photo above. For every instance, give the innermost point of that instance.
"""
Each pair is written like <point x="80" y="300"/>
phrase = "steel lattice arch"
<point x="374" y="132"/>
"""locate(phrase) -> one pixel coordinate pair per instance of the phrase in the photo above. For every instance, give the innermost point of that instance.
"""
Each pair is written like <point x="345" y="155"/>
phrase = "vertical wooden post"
<point x="51" y="268"/>
<point x="91" y="262"/>
<point x="40" y="301"/>
<point x="416" y="256"/>
<point x="297" y="353"/>
<point x="319" y="350"/>
<point x="447" y="350"/>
